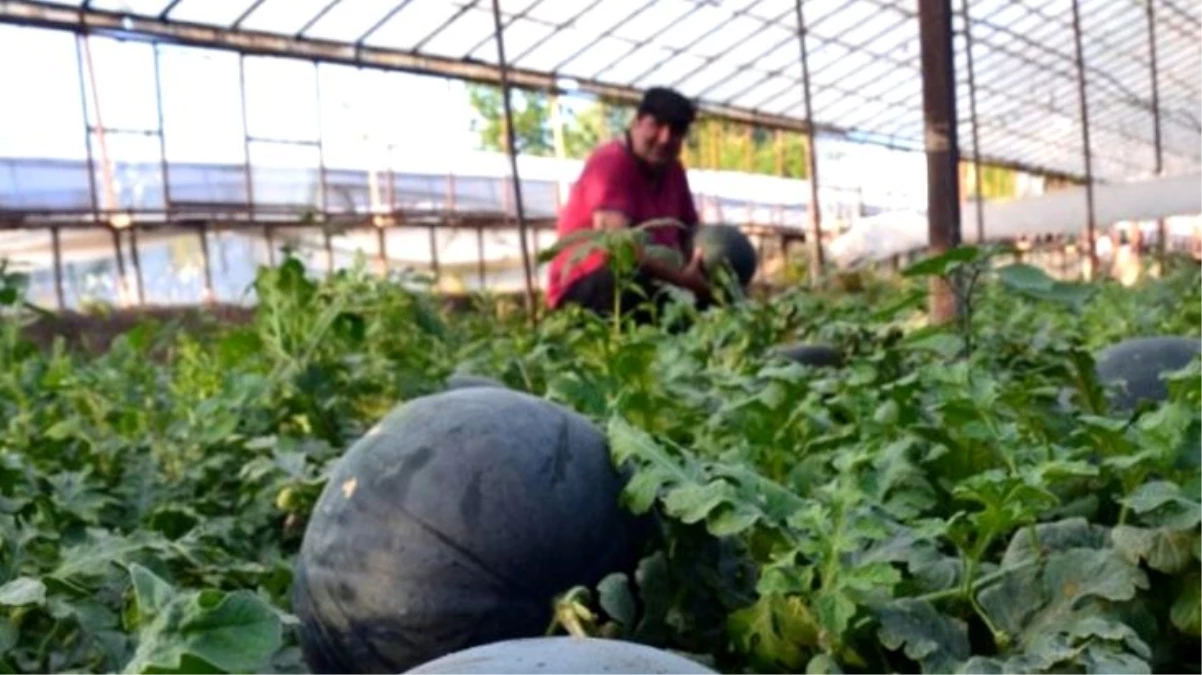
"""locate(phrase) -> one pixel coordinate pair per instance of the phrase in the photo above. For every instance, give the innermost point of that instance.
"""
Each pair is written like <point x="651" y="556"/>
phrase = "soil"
<point x="93" y="333"/>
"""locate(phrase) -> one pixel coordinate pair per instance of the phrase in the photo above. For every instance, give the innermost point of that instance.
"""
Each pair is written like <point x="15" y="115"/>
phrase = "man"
<point x="626" y="182"/>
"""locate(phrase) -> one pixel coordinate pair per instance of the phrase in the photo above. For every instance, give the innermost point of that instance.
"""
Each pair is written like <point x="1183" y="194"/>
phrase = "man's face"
<point x="656" y="143"/>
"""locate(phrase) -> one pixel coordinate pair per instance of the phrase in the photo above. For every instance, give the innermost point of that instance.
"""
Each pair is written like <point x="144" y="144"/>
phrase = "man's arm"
<point x="605" y="219"/>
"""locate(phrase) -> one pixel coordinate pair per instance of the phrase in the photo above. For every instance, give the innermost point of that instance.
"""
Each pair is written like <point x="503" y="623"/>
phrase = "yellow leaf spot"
<point x="1070" y="589"/>
<point x="348" y="487"/>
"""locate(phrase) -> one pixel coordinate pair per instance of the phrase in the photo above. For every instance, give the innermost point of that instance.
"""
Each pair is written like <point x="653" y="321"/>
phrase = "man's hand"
<point x="693" y="277"/>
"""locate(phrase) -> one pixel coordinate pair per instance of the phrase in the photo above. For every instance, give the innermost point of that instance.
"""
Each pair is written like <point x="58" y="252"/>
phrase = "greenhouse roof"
<point x="741" y="59"/>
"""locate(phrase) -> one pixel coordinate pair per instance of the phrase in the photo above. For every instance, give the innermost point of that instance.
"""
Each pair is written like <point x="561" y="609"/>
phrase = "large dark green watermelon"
<point x="811" y="354"/>
<point x="727" y="245"/>
<point x="1135" y="367"/>
<point x="562" y="654"/>
<point x="454" y="523"/>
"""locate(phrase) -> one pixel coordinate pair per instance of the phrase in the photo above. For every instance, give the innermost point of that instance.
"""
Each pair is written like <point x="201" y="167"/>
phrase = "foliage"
<point x="712" y="143"/>
<point x="922" y="508"/>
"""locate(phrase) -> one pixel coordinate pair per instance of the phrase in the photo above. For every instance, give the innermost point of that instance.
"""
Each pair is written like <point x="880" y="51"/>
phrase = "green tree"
<point x="712" y="143"/>
<point x="996" y="182"/>
<point x="531" y="113"/>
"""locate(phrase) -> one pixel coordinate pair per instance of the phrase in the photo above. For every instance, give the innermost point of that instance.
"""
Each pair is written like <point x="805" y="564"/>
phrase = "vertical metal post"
<point x="779" y="139"/>
<point x="248" y="174"/>
<point x="93" y="196"/>
<point x="480" y="254"/>
<point x="1161" y="230"/>
<point x="511" y="148"/>
<point x="811" y="154"/>
<point x="715" y="138"/>
<point x="382" y="245"/>
<point x="322" y="174"/>
<point x="56" y="244"/>
<point x="972" y="111"/>
<point x="136" y="260"/>
<point x="749" y="155"/>
<point x="939" y="115"/>
<point x="84" y="51"/>
<point x="434" y="266"/>
<point x="203" y="233"/>
<point x="1083" y="97"/>
<point x="87" y="128"/>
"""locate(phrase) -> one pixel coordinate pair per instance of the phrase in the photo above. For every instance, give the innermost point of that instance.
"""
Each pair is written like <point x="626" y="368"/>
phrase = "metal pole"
<point x="939" y="113"/>
<point x="811" y="154"/>
<point x="268" y="237"/>
<point x="203" y="232"/>
<point x="57" y="244"/>
<point x="382" y="253"/>
<point x="511" y="150"/>
<point x="1161" y="230"/>
<point x="322" y="173"/>
<point x="972" y="112"/>
<point x="1089" y="201"/>
<point x="85" y="52"/>
<point x="87" y="142"/>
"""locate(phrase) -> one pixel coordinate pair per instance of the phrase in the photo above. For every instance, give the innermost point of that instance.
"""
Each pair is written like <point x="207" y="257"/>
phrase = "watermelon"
<point x="467" y="381"/>
<point x="726" y="245"/>
<point x="454" y="523"/>
<point x="811" y="354"/>
<point x="1134" y="367"/>
<point x="562" y="655"/>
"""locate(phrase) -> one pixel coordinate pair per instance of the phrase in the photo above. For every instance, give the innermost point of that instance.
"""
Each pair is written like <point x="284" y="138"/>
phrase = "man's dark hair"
<point x="668" y="107"/>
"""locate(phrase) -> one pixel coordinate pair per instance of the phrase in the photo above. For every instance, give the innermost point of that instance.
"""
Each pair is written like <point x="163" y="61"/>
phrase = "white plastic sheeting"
<point x="1058" y="213"/>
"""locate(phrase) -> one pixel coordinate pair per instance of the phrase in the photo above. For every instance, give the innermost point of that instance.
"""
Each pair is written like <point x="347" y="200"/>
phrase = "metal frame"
<point x="996" y="49"/>
<point x="1085" y="145"/>
<point x="1009" y="94"/>
<point x="1161" y="229"/>
<point x="816" y="262"/>
<point x="943" y="154"/>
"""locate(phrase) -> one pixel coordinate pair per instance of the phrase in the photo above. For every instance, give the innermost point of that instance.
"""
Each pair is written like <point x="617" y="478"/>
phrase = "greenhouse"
<point x="293" y="378"/>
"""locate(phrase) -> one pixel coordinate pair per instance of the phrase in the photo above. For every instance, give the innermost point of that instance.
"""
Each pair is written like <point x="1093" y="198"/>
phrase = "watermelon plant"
<point x="963" y="498"/>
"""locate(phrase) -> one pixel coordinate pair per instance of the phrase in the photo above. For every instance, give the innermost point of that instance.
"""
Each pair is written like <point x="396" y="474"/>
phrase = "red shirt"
<point x="613" y="179"/>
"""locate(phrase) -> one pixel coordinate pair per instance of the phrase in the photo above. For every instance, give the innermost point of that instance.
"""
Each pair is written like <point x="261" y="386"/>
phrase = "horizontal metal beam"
<point x="245" y="41"/>
<point x="116" y="24"/>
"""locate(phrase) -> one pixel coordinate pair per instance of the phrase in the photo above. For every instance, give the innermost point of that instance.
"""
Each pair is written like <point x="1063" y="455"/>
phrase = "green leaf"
<point x="1165" y="504"/>
<point x="777" y="632"/>
<point x="23" y="591"/>
<point x="834" y="610"/>
<point x="151" y="592"/>
<point x="1049" y="609"/>
<point x="1062" y="535"/>
<point x="937" y="340"/>
<point x="941" y="265"/>
<point x="1021" y="276"/>
<point x="1033" y="282"/>
<point x="1106" y="660"/>
<point x="692" y="503"/>
<point x="9" y="635"/>
<point x="234" y="632"/>
<point x="657" y="470"/>
<point x="1114" y="631"/>
<point x="823" y="664"/>
<point x="728" y="520"/>
<point x="937" y="642"/>
<point x="1168" y="551"/>
<point x="1153" y="495"/>
<point x="615" y="598"/>
<point x="1186" y="613"/>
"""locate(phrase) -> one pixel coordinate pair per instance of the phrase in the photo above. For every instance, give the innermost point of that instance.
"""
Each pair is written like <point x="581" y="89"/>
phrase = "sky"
<point x="366" y="117"/>
<point x="202" y="105"/>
